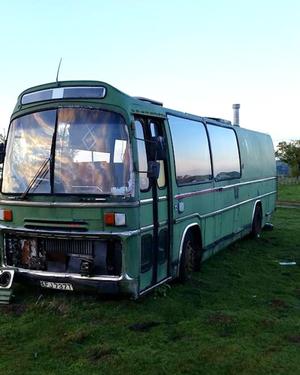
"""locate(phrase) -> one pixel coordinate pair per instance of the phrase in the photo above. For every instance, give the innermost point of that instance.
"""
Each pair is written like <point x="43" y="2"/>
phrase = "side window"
<point x="146" y="252"/>
<point x="161" y="181"/>
<point x="225" y="153"/>
<point x="162" y="246"/>
<point x="142" y="156"/>
<point x="191" y="150"/>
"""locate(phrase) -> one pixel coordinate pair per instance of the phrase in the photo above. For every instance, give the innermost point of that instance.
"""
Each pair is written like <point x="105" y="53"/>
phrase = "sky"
<point x="196" y="56"/>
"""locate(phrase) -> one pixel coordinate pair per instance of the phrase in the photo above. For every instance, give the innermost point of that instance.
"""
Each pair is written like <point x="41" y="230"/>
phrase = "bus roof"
<point x="135" y="105"/>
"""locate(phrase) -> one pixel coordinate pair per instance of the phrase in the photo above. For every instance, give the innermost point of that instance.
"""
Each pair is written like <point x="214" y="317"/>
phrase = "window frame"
<point x="201" y="121"/>
<point x="238" y="149"/>
<point x="155" y="122"/>
<point x="141" y="121"/>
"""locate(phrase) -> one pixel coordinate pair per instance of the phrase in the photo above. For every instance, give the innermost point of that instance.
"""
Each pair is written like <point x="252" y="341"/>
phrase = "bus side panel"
<point x="258" y="163"/>
<point x="188" y="210"/>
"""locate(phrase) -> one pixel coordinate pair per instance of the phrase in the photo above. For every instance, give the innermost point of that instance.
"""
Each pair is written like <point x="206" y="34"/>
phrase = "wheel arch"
<point x="196" y="232"/>
<point x="258" y="202"/>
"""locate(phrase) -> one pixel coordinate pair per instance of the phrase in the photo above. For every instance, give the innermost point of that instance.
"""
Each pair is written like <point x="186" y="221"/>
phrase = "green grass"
<point x="239" y="315"/>
<point x="289" y="192"/>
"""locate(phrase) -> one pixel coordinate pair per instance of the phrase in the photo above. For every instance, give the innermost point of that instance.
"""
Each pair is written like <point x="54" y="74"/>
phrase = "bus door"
<point x="154" y="222"/>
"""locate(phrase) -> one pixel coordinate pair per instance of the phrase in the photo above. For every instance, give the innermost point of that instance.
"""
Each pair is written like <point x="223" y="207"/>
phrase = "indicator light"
<point x="109" y="218"/>
<point x="6" y="215"/>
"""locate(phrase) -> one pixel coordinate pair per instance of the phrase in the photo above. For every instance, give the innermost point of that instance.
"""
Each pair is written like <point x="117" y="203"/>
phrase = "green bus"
<point x="106" y="192"/>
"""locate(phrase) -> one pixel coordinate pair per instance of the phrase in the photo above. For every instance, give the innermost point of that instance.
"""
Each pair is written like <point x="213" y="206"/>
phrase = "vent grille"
<point x="55" y="225"/>
<point x="78" y="247"/>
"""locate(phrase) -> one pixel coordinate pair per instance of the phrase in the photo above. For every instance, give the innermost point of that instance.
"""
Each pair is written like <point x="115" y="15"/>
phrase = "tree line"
<point x="289" y="152"/>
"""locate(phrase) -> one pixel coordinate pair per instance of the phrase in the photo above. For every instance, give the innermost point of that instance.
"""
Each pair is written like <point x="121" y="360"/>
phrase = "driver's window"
<point x="142" y="156"/>
<point x="161" y="181"/>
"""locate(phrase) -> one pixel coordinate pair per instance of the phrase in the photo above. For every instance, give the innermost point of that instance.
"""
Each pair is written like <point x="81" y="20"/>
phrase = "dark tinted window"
<point x="191" y="150"/>
<point x="225" y="153"/>
<point x="162" y="246"/>
<point x="146" y="252"/>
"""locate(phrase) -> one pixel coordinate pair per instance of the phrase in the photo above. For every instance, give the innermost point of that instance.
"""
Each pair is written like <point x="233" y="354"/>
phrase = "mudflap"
<point x="6" y="281"/>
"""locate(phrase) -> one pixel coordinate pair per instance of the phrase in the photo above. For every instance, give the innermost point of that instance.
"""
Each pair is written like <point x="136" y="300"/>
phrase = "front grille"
<point x="68" y="247"/>
<point x="63" y="255"/>
<point x="56" y="225"/>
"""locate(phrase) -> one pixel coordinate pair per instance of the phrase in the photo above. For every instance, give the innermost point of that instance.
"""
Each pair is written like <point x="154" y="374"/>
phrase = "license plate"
<point x="53" y="285"/>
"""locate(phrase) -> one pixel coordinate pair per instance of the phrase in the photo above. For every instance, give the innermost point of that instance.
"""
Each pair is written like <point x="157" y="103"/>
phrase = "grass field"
<point x="239" y="315"/>
<point x="289" y="192"/>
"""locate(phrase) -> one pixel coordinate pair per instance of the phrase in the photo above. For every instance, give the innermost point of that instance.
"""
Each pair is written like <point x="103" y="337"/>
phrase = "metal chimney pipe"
<point x="236" y="114"/>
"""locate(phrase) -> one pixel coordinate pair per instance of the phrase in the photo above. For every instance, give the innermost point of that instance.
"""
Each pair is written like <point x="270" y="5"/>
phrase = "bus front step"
<point x="5" y="296"/>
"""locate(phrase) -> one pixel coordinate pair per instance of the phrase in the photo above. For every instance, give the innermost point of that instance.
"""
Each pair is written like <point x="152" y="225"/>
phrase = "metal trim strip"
<point x="154" y="286"/>
<point x="146" y="201"/>
<point x="147" y="227"/>
<point x="91" y="234"/>
<point x="178" y="220"/>
<point x="163" y="198"/>
<point x="69" y="204"/>
<point x="68" y="275"/>
<point x="237" y="204"/>
<point x="220" y="188"/>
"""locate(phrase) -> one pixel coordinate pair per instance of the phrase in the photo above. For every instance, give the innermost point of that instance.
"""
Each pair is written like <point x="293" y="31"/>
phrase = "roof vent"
<point x="155" y="102"/>
<point x="225" y="122"/>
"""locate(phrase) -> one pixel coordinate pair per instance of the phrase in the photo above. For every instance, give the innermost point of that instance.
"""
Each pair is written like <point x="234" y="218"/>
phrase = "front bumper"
<point x="99" y="283"/>
<point x="108" y="285"/>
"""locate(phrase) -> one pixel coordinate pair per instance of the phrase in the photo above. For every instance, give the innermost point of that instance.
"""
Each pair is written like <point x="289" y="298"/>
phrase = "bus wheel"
<point x="257" y="222"/>
<point x="188" y="258"/>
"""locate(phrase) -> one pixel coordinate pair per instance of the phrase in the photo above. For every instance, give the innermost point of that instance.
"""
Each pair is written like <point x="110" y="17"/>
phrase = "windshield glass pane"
<point x="28" y="147"/>
<point x="92" y="153"/>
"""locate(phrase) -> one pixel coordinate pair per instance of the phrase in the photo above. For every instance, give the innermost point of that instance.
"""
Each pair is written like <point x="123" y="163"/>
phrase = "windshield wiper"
<point x="40" y="174"/>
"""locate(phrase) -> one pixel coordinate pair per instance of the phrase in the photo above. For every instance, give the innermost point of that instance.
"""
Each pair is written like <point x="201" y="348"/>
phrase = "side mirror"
<point x="157" y="149"/>
<point x="153" y="169"/>
<point x="2" y="152"/>
<point x="160" y="148"/>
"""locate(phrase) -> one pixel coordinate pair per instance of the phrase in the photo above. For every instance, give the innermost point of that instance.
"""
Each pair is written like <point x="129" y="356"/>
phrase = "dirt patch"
<point x="295" y="339"/>
<point x="220" y="319"/>
<point x="268" y="323"/>
<point x="271" y="350"/>
<point x="78" y="337"/>
<point x="14" y="309"/>
<point x="100" y="352"/>
<point x="144" y="326"/>
<point x="278" y="304"/>
<point x="225" y="324"/>
<point x="57" y="306"/>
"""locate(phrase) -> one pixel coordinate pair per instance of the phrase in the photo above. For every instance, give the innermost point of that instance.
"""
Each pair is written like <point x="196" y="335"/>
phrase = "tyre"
<point x="257" y="222"/>
<point x="190" y="258"/>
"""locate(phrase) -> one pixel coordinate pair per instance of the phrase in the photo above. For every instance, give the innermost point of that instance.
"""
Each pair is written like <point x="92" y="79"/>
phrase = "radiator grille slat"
<point x="80" y="247"/>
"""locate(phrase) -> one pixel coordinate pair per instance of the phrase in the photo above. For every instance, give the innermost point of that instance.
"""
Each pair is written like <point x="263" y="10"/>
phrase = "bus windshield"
<point x="68" y="151"/>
